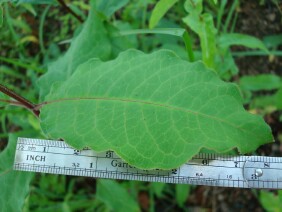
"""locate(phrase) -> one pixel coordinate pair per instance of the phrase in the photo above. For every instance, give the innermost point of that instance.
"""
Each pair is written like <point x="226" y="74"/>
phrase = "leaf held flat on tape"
<point x="154" y="110"/>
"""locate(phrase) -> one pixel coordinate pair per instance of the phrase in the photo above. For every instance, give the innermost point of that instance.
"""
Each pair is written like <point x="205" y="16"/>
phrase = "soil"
<point x="259" y="21"/>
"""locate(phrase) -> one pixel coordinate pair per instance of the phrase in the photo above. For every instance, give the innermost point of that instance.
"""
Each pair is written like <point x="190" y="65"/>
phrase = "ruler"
<point x="56" y="157"/>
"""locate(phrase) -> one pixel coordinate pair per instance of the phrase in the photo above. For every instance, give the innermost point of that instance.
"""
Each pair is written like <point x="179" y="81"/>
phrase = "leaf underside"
<point x="154" y="110"/>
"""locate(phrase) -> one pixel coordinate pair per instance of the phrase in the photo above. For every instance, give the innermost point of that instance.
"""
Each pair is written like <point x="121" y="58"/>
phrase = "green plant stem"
<point x="21" y="101"/>
<point x="230" y="14"/>
<point x="3" y="123"/>
<point x="20" y="64"/>
<point x="15" y="36"/>
<point x="69" y="10"/>
<point x="41" y="26"/>
<point x="166" y="31"/>
<point x="11" y="72"/>
<point x="4" y="135"/>
<point x="188" y="44"/>
<point x="152" y="203"/>
<point x="144" y="15"/>
<point x="234" y="23"/>
<point x="220" y="13"/>
<point x="11" y="102"/>
<point x="179" y="32"/>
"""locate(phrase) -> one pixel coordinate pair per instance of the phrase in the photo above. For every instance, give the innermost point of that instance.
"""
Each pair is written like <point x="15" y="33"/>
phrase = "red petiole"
<point x="20" y="101"/>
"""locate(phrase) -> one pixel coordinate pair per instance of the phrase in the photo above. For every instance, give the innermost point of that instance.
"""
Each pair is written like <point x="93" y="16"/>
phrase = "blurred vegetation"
<point x="35" y="33"/>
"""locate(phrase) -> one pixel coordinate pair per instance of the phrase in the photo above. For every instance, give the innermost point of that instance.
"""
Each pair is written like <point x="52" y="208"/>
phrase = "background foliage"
<point x="34" y="36"/>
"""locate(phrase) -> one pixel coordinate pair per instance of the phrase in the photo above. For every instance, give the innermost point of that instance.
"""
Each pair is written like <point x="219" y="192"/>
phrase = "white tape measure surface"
<point x="56" y="157"/>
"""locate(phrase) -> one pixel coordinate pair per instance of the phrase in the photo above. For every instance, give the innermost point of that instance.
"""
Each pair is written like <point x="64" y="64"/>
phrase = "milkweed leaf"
<point x="154" y="110"/>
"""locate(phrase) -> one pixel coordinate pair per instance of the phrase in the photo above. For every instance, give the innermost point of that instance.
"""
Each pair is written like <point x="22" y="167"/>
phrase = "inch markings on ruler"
<point x="56" y="157"/>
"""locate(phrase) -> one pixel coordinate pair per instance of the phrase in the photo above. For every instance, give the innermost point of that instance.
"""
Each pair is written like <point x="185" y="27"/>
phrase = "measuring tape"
<point x="56" y="157"/>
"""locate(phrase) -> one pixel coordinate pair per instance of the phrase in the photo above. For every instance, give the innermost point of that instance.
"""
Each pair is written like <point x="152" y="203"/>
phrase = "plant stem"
<point x="11" y="102"/>
<point x="188" y="44"/>
<point x="230" y="15"/>
<point x="69" y="10"/>
<point x="18" y="63"/>
<point x="21" y="101"/>
<point x="41" y="29"/>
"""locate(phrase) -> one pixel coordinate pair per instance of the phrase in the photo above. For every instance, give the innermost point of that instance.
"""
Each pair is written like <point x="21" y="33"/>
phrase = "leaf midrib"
<point x="142" y="102"/>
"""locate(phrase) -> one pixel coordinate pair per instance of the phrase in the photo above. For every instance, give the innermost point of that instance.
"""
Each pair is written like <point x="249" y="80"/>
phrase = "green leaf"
<point x="194" y="6"/>
<point x="220" y="13"/>
<point x="20" y="63"/>
<point x="227" y="40"/>
<point x="158" y="188"/>
<point x="91" y="42"/>
<point x="260" y="82"/>
<point x="14" y="184"/>
<point x="180" y="32"/>
<point x="182" y="193"/>
<point x="273" y="41"/>
<point x="265" y="103"/>
<point x="230" y="15"/>
<point x="3" y="97"/>
<point x="159" y="11"/>
<point x="35" y="1"/>
<point x="115" y="196"/>
<point x="118" y="43"/>
<point x="109" y="7"/>
<point x="1" y="16"/>
<point x="165" y="31"/>
<point x="278" y="98"/>
<point x="270" y="201"/>
<point x="225" y="65"/>
<point x="30" y="9"/>
<point x="154" y="110"/>
<point x="203" y="25"/>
